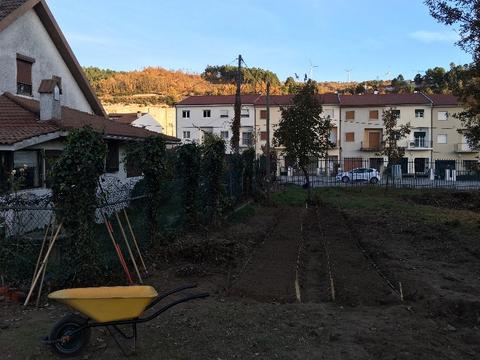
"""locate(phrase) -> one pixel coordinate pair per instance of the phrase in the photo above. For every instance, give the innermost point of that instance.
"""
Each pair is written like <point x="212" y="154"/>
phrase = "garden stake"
<point x="41" y="250"/>
<point x="50" y="247"/>
<point x="117" y="248"/>
<point x="37" y="304"/>
<point x="135" y="240"/>
<point x="128" y="247"/>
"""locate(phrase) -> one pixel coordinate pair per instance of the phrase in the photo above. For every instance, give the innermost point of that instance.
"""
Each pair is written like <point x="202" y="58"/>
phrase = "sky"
<point x="375" y="39"/>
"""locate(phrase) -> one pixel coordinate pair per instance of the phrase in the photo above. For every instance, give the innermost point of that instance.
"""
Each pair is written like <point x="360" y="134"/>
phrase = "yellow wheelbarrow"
<point x="109" y="307"/>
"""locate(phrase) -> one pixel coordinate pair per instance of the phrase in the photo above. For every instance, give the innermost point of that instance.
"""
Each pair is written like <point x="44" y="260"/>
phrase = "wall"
<point x="27" y="36"/>
<point x="165" y="116"/>
<point x="217" y="123"/>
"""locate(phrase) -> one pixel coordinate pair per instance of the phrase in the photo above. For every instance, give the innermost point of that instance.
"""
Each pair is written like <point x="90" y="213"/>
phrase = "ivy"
<point x="75" y="179"/>
<point x="248" y="157"/>
<point x="213" y="157"/>
<point x="188" y="168"/>
<point x="149" y="157"/>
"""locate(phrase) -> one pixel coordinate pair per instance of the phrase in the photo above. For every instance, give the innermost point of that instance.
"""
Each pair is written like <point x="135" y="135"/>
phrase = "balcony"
<point x="371" y="147"/>
<point x="419" y="143"/>
<point x="464" y="148"/>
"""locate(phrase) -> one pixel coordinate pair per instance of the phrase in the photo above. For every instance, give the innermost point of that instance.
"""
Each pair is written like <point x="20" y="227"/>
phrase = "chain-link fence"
<point x="416" y="173"/>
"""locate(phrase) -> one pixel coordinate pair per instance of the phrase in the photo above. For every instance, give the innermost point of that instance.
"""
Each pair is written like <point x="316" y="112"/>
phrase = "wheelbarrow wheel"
<point x="67" y="339"/>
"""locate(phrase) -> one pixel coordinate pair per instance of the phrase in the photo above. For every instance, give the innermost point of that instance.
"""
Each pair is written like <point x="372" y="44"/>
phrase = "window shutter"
<point x="113" y="161"/>
<point x="374" y="114"/>
<point x="350" y="115"/>
<point x="350" y="137"/>
<point x="24" y="72"/>
<point x="263" y="114"/>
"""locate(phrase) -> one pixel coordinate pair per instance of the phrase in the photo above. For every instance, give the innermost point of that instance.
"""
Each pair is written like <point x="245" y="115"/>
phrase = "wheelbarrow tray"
<point x="107" y="304"/>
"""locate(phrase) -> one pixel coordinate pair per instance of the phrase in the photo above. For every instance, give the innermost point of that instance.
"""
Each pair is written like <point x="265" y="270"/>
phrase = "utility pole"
<point x="267" y="146"/>
<point x="238" y="110"/>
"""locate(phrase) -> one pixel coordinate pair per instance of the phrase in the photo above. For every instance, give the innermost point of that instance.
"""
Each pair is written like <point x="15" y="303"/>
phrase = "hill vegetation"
<point x="156" y="85"/>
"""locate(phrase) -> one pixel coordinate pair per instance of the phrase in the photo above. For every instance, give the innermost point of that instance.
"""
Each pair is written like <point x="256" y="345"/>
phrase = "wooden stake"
<point x="41" y="250"/>
<point x="401" y="290"/>
<point x="50" y="247"/>
<point x="129" y="248"/>
<point x="135" y="241"/>
<point x="37" y="303"/>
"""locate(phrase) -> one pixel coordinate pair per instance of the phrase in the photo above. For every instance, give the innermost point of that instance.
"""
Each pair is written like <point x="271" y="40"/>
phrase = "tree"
<point x="393" y="133"/>
<point x="302" y="132"/>
<point x="465" y="15"/>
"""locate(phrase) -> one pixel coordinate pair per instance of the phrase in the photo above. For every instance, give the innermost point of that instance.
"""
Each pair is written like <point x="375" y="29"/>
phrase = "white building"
<point x="141" y="120"/>
<point x="198" y="115"/>
<point x="44" y="94"/>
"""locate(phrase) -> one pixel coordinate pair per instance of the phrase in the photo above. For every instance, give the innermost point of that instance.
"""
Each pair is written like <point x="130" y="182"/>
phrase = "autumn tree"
<point x="302" y="132"/>
<point x="465" y="16"/>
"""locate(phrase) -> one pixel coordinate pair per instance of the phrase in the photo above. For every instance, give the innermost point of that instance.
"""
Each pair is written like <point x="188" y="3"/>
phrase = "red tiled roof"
<point x="283" y="100"/>
<point x="384" y="100"/>
<point x="126" y="118"/>
<point x="19" y="120"/>
<point x="9" y="6"/>
<point x="444" y="100"/>
<point x="218" y="100"/>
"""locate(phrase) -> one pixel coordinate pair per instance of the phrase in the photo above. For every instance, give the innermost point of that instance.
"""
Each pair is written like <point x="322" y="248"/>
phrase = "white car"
<point x="360" y="174"/>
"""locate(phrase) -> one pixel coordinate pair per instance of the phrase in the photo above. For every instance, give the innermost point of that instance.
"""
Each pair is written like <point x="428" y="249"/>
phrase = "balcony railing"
<point x="365" y="146"/>
<point x="419" y="143"/>
<point x="464" y="148"/>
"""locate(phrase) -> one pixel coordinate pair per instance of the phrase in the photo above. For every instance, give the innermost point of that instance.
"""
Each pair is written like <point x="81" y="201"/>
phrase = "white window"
<point x="224" y="113"/>
<point x="224" y="135"/>
<point x="443" y="115"/>
<point x="419" y="113"/>
<point x="247" y="138"/>
<point x="245" y="113"/>
<point x="186" y="114"/>
<point x="442" y="139"/>
<point x="186" y="134"/>
<point x="207" y="113"/>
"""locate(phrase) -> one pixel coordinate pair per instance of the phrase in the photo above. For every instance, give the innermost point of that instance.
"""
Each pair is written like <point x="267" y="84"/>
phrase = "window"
<point x="24" y="75"/>
<point x="186" y="114"/>
<point x="263" y="136"/>
<point x="443" y="115"/>
<point x="396" y="113"/>
<point x="420" y="139"/>
<point x="224" y="135"/>
<point x="207" y="113"/>
<point x="186" y="134"/>
<point x="350" y="137"/>
<point x="245" y="113"/>
<point x="112" y="163"/>
<point x="442" y="139"/>
<point x="263" y="114"/>
<point x="419" y="113"/>
<point x="246" y="138"/>
<point x="27" y="169"/>
<point x="58" y="80"/>
<point x="350" y="115"/>
<point x="373" y="115"/>
<point x="224" y="113"/>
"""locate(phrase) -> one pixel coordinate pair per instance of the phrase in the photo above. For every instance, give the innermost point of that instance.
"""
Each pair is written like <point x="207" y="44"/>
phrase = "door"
<point x="352" y="163"/>
<point x="404" y="164"/>
<point x="376" y="163"/>
<point x="374" y="140"/>
<point x="442" y="165"/>
<point x="420" y="165"/>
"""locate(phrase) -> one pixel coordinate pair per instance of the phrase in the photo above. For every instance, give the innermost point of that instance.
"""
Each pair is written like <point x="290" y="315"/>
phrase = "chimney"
<point x="139" y="114"/>
<point x="50" y="105"/>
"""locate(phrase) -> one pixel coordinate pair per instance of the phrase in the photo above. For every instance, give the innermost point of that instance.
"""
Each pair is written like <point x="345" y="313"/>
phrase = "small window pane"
<point x="443" y="115"/>
<point x="186" y="114"/>
<point x="207" y="113"/>
<point x="442" y="139"/>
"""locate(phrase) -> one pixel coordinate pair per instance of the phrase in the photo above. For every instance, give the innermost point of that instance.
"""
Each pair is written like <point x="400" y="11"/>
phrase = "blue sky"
<point x="374" y="38"/>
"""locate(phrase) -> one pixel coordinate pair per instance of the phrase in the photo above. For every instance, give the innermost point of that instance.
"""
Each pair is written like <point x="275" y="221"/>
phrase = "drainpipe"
<point x="339" y="135"/>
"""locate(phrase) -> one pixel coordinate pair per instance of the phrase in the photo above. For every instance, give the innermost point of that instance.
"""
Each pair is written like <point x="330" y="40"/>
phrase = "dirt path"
<point x="270" y="274"/>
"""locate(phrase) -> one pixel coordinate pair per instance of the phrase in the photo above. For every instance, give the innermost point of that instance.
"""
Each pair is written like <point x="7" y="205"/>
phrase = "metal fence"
<point x="409" y="173"/>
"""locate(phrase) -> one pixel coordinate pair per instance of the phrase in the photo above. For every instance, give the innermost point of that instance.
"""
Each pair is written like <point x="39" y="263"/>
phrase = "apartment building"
<point x="450" y="145"/>
<point x="198" y="115"/>
<point x="358" y="134"/>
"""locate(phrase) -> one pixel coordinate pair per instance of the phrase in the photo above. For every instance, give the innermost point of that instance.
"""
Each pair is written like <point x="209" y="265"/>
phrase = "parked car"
<point x="360" y="174"/>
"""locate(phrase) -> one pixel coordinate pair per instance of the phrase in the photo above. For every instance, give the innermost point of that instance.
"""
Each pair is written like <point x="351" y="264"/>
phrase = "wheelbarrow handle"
<point x="167" y="294"/>
<point x="174" y="303"/>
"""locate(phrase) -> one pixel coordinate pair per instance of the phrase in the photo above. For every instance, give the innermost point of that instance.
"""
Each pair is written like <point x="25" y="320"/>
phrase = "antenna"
<point x="349" y="73"/>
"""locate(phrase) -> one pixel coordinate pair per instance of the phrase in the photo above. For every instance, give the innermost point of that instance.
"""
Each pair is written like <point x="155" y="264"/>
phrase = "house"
<point x="44" y="94"/>
<point x="198" y="115"/>
<point x="358" y="134"/>
<point x="140" y="120"/>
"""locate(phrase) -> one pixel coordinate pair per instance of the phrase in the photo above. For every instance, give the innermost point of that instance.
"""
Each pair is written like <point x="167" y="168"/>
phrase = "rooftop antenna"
<point x="349" y="73"/>
<point x="297" y="77"/>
